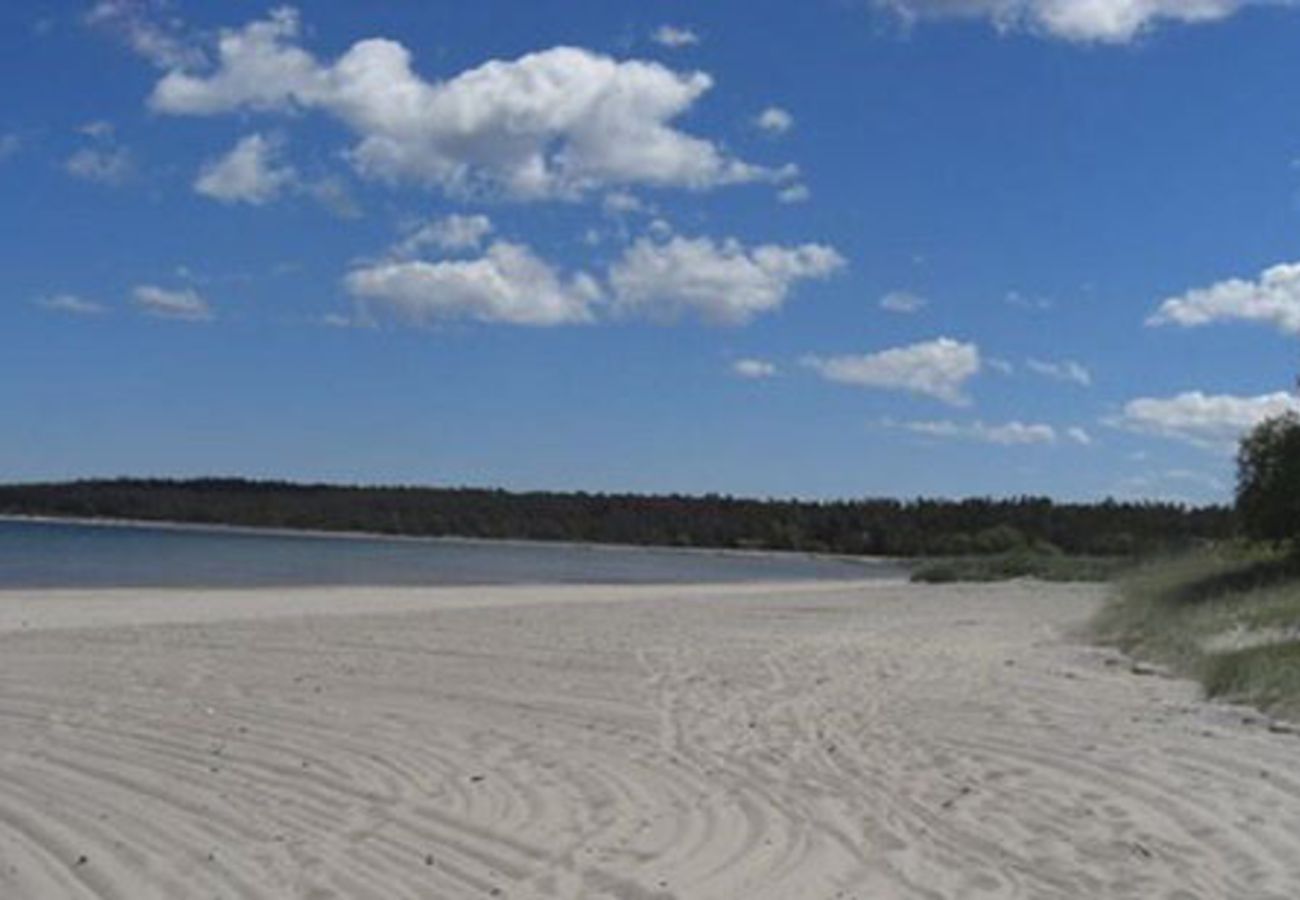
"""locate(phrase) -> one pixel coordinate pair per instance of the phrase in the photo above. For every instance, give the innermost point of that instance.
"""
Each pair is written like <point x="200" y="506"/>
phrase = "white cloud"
<point x="508" y="284"/>
<point x="663" y="278"/>
<point x="1272" y="299"/>
<point x="71" y="304"/>
<point x="556" y="123"/>
<point x="1079" y="436"/>
<point x="794" y="193"/>
<point x="660" y="228"/>
<point x="148" y="28"/>
<point x="1088" y="21"/>
<point x="1029" y="304"/>
<point x="450" y="233"/>
<point x="903" y="302"/>
<point x="184" y="305"/>
<point x="99" y="129"/>
<point x="1007" y="435"/>
<point x="1066" y="370"/>
<point x="1172" y="485"/>
<point x="9" y="145"/>
<point x="774" y="120"/>
<point x="1211" y="421"/>
<point x="938" y="369"/>
<point x="1001" y="366"/>
<point x="1203" y="479"/>
<point x="103" y="165"/>
<point x="674" y="36"/>
<point x="618" y="203"/>
<point x="332" y="193"/>
<point x="249" y="173"/>
<point x="723" y="283"/>
<point x="753" y="369"/>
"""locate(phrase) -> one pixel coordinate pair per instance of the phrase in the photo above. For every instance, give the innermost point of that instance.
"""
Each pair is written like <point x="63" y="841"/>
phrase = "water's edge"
<point x="38" y="552"/>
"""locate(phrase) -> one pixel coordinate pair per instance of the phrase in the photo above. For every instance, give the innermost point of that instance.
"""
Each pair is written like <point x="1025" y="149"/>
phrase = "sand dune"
<point x="783" y="742"/>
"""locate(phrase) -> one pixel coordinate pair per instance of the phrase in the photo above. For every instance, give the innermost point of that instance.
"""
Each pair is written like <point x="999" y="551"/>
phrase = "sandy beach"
<point x="866" y="740"/>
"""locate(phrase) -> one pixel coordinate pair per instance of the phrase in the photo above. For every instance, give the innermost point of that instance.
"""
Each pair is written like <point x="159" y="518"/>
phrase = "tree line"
<point x="882" y="527"/>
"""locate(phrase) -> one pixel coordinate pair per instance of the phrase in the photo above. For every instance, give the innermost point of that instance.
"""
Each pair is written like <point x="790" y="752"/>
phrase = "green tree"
<point x="1268" y="479"/>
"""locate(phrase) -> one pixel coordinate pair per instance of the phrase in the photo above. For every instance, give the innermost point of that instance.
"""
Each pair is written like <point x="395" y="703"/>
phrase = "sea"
<point x="51" y="554"/>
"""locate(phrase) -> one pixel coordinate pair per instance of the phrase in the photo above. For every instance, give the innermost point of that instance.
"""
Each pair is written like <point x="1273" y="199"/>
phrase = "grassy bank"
<point x="1019" y="564"/>
<point x="1229" y="617"/>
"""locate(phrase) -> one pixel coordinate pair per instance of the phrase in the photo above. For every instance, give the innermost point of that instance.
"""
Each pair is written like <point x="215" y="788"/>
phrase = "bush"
<point x="1268" y="479"/>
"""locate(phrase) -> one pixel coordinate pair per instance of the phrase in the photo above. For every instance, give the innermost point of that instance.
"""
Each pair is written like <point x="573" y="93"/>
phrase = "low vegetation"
<point x="1229" y="616"/>
<point x="1045" y="566"/>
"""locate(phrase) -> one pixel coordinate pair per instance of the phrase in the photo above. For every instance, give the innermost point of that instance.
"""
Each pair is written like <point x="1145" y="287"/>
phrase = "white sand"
<point x="864" y="741"/>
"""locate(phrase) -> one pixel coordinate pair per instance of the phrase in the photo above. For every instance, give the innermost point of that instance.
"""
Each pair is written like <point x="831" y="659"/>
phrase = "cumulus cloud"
<point x="339" y="320"/>
<point x="556" y="123"/>
<point x="71" y="304"/>
<point x="1086" y="21"/>
<point x="454" y="232"/>
<point x="1210" y="421"/>
<point x="794" y="193"/>
<point x="1028" y="303"/>
<point x="674" y="36"/>
<point x="722" y="283"/>
<point x="1007" y="435"/>
<point x="774" y="120"/>
<point x="903" y="302"/>
<point x="103" y="160"/>
<point x="619" y="203"/>
<point x="250" y="173"/>
<point x="508" y="284"/>
<point x="938" y="369"/>
<point x="1066" y="370"/>
<point x="753" y="369"/>
<point x="1272" y="299"/>
<point x="1079" y="435"/>
<point x="111" y="166"/>
<point x="99" y="129"/>
<point x="662" y="278"/>
<point x="149" y="28"/>
<point x="332" y="193"/>
<point x="184" y="305"/>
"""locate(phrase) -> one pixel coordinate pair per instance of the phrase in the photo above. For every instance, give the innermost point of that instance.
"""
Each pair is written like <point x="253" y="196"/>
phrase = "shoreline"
<point x="169" y="525"/>
<point x="30" y="610"/>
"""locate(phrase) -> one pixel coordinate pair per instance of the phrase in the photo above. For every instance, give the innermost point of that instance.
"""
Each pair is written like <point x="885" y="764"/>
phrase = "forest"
<point x="883" y="527"/>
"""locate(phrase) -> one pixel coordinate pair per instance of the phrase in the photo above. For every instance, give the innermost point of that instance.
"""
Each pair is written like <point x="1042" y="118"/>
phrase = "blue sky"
<point x="823" y="249"/>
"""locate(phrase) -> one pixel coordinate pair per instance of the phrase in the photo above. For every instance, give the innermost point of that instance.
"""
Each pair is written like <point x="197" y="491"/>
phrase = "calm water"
<point x="39" y="554"/>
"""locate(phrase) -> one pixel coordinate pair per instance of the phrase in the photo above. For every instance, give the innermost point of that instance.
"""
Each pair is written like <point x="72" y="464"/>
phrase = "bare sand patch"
<point x="872" y="740"/>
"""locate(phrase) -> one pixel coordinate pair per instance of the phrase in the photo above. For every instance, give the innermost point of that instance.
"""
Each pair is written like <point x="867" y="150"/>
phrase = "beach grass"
<point x="1228" y="616"/>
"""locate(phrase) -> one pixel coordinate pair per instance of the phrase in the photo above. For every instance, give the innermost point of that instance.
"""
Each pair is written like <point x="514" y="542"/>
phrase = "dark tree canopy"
<point x="1268" y="479"/>
<point x="881" y="527"/>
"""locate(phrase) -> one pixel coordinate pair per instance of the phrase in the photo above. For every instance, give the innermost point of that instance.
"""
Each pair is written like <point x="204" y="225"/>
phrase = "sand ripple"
<point x="871" y="741"/>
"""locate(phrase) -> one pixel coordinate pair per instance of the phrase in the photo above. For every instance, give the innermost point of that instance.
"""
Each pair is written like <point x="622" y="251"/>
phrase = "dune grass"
<point x="1018" y="564"/>
<point x="1228" y="616"/>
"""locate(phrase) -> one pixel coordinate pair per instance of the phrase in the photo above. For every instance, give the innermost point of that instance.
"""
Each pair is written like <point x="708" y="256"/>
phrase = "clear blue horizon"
<point x="818" y="250"/>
